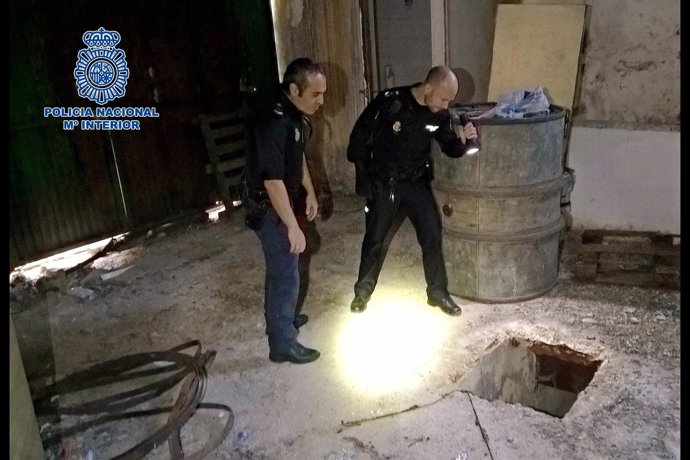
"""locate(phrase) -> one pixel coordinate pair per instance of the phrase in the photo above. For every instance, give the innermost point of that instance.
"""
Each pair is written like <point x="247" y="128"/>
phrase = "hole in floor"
<point x="547" y="378"/>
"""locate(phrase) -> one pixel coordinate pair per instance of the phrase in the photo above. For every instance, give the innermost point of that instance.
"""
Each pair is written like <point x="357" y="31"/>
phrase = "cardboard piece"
<point x="538" y="45"/>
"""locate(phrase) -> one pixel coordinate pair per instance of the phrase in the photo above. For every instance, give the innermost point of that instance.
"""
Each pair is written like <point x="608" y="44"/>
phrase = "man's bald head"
<point x="440" y="87"/>
<point x="440" y="76"/>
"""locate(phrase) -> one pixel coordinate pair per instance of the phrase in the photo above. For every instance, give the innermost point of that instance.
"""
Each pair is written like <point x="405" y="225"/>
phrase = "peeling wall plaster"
<point x="296" y="11"/>
<point x="632" y="63"/>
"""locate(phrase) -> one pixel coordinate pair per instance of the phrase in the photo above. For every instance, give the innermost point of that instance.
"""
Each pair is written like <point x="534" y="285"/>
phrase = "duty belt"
<point x="409" y="176"/>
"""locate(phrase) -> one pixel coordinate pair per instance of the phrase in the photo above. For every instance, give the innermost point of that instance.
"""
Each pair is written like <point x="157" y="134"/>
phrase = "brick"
<point x="627" y="239"/>
<point x="667" y="269"/>
<point x="612" y="261"/>
<point x="585" y="271"/>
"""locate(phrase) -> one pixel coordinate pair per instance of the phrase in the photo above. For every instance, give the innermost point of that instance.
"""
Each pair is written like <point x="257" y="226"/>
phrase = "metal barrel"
<point x="501" y="208"/>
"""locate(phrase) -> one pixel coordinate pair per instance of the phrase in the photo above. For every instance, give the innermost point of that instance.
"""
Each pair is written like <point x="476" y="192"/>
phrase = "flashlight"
<point x="471" y="145"/>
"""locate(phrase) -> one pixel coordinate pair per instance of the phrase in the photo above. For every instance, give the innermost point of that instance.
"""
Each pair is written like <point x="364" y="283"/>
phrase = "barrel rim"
<point x="496" y="300"/>
<point x="555" y="112"/>
<point x="510" y="191"/>
<point x="542" y="232"/>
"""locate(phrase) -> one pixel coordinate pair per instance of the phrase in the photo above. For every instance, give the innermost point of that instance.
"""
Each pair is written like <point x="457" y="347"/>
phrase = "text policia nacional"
<point x="100" y="112"/>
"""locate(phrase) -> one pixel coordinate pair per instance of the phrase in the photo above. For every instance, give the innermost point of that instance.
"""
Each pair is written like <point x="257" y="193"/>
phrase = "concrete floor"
<point x="391" y="382"/>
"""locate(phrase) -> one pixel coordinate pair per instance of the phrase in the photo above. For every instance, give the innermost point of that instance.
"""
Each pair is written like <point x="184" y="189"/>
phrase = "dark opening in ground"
<point x="547" y="378"/>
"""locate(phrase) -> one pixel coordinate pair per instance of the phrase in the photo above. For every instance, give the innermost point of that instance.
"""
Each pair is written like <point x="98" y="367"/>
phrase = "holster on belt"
<point x="257" y="207"/>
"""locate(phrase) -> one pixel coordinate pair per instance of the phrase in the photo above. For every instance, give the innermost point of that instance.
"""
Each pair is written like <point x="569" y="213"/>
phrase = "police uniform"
<point x="275" y="147"/>
<point x="390" y="145"/>
<point x="275" y="151"/>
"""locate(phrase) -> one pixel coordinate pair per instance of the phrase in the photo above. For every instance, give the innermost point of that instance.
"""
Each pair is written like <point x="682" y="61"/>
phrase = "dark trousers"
<point x="415" y="201"/>
<point x="282" y="283"/>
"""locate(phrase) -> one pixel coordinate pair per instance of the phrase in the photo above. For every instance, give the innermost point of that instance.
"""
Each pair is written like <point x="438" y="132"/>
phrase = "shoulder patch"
<point x="278" y="109"/>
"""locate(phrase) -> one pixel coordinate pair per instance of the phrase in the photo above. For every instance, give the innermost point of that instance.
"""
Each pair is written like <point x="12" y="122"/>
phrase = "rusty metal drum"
<point x="501" y="208"/>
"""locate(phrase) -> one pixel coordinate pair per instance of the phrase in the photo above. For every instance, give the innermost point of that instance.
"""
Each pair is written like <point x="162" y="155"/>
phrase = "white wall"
<point x="625" y="180"/>
<point x="625" y="143"/>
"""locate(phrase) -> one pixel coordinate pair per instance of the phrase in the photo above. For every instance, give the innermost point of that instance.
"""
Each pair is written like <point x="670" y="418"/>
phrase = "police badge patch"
<point x="396" y="127"/>
<point x="101" y="70"/>
<point x="296" y="135"/>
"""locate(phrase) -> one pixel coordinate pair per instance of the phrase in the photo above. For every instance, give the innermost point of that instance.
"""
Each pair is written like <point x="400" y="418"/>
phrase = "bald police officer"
<point x="390" y="145"/>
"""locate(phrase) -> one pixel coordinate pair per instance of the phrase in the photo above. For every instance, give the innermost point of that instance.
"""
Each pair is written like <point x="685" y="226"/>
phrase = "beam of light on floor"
<point x="392" y="345"/>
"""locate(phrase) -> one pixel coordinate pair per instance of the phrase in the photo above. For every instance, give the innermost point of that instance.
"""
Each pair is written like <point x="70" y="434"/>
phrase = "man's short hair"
<point x="298" y="71"/>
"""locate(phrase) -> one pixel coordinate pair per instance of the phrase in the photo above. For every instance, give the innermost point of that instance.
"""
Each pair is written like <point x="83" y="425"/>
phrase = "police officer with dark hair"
<point x="390" y="146"/>
<point x="275" y="172"/>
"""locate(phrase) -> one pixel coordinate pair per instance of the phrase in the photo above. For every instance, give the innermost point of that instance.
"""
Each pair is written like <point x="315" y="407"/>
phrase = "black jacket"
<point x="393" y="135"/>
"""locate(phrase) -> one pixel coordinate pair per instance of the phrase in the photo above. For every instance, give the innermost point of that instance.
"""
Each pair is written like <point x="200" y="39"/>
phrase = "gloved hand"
<point x="363" y="186"/>
<point x="325" y="204"/>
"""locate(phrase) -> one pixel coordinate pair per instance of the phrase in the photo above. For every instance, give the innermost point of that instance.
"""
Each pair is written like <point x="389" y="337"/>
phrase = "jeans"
<point x="282" y="283"/>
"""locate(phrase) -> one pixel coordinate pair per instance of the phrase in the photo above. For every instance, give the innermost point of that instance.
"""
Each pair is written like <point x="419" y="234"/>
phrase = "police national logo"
<point x="101" y="75"/>
<point x="101" y="71"/>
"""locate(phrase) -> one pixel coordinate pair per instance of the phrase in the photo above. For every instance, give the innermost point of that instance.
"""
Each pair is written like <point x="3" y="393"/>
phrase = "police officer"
<point x="275" y="171"/>
<point x="390" y="145"/>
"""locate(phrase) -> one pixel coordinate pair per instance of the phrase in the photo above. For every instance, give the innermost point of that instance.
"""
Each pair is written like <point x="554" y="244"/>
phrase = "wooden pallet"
<point x="225" y="139"/>
<point x="631" y="258"/>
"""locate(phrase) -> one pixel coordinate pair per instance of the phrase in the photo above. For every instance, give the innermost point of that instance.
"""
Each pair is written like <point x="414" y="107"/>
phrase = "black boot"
<point x="445" y="303"/>
<point x="300" y="320"/>
<point x="295" y="354"/>
<point x="359" y="304"/>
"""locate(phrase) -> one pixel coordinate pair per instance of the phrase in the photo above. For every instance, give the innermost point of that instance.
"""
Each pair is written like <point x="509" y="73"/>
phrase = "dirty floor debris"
<point x="372" y="394"/>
